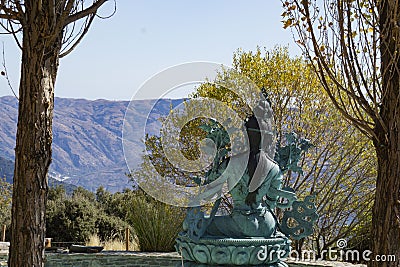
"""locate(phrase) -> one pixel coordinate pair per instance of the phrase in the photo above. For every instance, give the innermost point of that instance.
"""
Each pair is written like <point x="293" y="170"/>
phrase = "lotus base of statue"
<point x="229" y="251"/>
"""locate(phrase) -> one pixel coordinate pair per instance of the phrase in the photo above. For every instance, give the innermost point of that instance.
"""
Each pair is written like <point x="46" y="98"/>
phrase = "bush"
<point x="5" y="205"/>
<point x="77" y="217"/>
<point x="113" y="204"/>
<point x="156" y="224"/>
<point x="71" y="219"/>
<point x="83" y="215"/>
<point x="110" y="227"/>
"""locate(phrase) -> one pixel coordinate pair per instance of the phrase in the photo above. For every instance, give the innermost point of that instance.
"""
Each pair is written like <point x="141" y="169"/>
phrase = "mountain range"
<point x="87" y="139"/>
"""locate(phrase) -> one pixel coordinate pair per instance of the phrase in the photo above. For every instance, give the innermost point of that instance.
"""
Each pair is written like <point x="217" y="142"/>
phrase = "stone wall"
<point x="140" y="259"/>
<point x="117" y="259"/>
<point x="4" y="246"/>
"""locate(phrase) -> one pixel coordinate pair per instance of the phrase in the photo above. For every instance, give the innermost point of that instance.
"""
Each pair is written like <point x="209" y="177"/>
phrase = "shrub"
<point x="156" y="224"/>
<point x="83" y="215"/>
<point x="71" y="219"/>
<point x="5" y="205"/>
<point x="112" y="204"/>
<point x="110" y="227"/>
<point x="77" y="217"/>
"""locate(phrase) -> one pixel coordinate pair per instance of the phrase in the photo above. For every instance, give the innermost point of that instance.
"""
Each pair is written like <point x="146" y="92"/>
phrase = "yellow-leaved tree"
<point x="354" y="48"/>
<point x="340" y="169"/>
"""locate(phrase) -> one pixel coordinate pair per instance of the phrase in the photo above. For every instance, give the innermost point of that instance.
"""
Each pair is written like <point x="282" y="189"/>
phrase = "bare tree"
<point x="45" y="30"/>
<point x="354" y="47"/>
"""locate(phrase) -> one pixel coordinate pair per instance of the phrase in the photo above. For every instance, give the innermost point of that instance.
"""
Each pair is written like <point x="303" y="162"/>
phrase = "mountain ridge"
<point x="7" y="172"/>
<point x="87" y="138"/>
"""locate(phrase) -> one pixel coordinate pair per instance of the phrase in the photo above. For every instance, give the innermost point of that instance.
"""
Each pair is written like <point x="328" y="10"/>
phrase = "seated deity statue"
<point x="256" y="194"/>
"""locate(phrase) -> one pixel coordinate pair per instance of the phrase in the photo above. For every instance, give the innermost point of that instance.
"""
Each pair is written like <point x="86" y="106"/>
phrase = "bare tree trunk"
<point x="386" y="212"/>
<point x="43" y="24"/>
<point x="33" y="148"/>
<point x="385" y="222"/>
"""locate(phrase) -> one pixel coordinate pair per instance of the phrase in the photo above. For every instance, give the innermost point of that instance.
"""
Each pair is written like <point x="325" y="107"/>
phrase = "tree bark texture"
<point x="40" y="53"/>
<point x="386" y="211"/>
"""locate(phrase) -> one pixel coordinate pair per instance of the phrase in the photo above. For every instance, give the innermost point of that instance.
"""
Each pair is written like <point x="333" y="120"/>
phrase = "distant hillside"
<point x="7" y="171"/>
<point x="87" y="147"/>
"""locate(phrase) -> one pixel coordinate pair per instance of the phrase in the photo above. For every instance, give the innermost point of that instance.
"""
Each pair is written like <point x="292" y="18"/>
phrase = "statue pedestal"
<point x="266" y="252"/>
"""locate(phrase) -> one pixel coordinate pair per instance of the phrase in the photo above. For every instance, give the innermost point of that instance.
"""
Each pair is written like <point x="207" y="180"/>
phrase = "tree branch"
<point x="14" y="34"/>
<point x="322" y="68"/>
<point x="6" y="74"/>
<point x="83" y="13"/>
<point x="8" y="17"/>
<point x="19" y="7"/>
<point x="80" y="37"/>
<point x="11" y="12"/>
<point x="7" y="9"/>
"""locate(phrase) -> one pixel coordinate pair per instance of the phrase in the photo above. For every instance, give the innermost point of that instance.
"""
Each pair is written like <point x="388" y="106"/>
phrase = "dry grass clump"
<point x="113" y="244"/>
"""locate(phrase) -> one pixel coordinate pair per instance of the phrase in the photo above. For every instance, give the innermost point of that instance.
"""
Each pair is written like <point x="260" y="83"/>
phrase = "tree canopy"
<point x="342" y="164"/>
<point x="353" y="47"/>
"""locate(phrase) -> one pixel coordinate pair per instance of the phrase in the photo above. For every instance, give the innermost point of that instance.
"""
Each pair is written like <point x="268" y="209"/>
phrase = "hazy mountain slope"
<point x="7" y="171"/>
<point x="87" y="147"/>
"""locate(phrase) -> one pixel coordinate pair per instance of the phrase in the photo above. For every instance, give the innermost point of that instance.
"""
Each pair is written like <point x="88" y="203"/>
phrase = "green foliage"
<point x="110" y="227"/>
<point x="156" y="224"/>
<point x="6" y="169"/>
<point x="360" y="237"/>
<point x="5" y="203"/>
<point x="341" y="166"/>
<point x="71" y="219"/>
<point x="76" y="217"/>
<point x="81" y="192"/>
<point x="56" y="193"/>
<point x="111" y="223"/>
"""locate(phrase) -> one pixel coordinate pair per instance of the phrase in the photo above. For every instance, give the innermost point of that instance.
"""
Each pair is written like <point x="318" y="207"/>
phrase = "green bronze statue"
<point x="251" y="234"/>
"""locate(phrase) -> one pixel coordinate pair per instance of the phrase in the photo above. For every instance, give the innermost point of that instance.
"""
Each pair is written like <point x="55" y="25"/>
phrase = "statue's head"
<point x="263" y="110"/>
<point x="260" y="128"/>
<point x="254" y="133"/>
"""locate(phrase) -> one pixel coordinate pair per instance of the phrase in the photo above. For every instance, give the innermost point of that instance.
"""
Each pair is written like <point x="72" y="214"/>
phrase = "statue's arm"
<point x="290" y="197"/>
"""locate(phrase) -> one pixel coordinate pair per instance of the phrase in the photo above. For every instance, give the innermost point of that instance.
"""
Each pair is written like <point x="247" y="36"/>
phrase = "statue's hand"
<point x="251" y="198"/>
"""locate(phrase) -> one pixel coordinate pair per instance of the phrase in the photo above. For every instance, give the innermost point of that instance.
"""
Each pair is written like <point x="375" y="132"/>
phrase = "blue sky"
<point x="147" y="36"/>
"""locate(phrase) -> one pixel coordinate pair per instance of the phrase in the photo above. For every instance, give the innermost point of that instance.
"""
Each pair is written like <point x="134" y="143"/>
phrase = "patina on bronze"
<point x="251" y="233"/>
